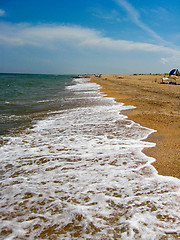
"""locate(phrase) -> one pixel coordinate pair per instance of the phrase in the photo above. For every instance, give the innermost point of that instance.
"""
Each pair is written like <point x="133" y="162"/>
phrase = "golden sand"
<point x="157" y="107"/>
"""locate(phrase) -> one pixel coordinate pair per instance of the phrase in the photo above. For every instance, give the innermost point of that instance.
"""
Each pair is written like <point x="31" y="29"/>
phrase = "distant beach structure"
<point x="173" y="75"/>
<point x="174" y="72"/>
<point x="98" y="75"/>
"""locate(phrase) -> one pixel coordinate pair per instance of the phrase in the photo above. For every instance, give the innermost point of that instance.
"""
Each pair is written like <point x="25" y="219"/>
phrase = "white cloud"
<point x="164" y="60"/>
<point x="58" y="37"/>
<point x="135" y="17"/>
<point x="172" y="60"/>
<point x="2" y="12"/>
<point x="43" y="35"/>
<point x="53" y="35"/>
<point x="10" y="40"/>
<point x="110" y="15"/>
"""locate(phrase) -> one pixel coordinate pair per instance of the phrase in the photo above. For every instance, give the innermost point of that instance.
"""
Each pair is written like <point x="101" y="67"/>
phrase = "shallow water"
<point x="78" y="172"/>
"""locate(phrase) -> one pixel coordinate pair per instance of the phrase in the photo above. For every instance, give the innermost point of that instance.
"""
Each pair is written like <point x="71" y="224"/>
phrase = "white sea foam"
<point x="80" y="174"/>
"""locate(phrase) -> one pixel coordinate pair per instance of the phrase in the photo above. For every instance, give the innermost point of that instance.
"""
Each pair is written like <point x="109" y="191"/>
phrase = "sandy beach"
<point x="157" y="107"/>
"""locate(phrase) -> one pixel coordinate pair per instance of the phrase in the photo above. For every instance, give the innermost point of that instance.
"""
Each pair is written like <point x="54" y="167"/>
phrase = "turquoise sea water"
<point x="72" y="167"/>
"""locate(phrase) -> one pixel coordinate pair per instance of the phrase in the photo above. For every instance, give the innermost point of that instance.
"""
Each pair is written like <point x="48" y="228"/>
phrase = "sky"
<point x="85" y="36"/>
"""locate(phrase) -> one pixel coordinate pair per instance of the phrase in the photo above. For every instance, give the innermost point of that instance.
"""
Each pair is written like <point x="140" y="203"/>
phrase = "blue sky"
<point x="99" y="36"/>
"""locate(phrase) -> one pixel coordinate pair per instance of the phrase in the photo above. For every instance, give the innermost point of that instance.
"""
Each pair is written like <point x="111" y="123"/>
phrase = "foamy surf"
<point x="80" y="173"/>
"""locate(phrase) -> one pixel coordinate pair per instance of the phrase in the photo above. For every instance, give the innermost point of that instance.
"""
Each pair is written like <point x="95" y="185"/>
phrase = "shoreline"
<point x="157" y="107"/>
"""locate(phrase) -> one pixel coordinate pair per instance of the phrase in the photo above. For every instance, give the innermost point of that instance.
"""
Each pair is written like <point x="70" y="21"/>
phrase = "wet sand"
<point x="157" y="107"/>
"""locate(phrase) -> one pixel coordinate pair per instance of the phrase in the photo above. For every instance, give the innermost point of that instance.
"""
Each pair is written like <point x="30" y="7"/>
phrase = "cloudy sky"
<point x="85" y="36"/>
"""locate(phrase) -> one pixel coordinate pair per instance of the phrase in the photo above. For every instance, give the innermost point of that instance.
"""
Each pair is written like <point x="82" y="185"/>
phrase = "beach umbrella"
<point x="174" y="72"/>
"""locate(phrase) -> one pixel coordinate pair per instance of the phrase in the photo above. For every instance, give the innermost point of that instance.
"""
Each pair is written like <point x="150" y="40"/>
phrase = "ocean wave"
<point x="80" y="173"/>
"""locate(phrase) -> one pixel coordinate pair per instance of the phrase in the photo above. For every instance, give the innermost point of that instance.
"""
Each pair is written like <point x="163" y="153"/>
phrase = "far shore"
<point x="157" y="107"/>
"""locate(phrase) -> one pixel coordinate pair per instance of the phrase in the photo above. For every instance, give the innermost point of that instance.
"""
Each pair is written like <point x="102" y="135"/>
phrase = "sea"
<point x="72" y="166"/>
